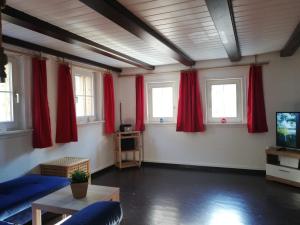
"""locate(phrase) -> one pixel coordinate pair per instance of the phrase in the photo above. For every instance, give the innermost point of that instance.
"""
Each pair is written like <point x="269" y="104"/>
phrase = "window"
<point x="162" y="99"/>
<point x="84" y="95"/>
<point x="9" y="98"/>
<point x="224" y="100"/>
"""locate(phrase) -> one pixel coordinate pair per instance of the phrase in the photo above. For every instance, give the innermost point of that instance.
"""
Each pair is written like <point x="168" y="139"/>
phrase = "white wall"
<point x="225" y="146"/>
<point x="17" y="156"/>
<point x="222" y="146"/>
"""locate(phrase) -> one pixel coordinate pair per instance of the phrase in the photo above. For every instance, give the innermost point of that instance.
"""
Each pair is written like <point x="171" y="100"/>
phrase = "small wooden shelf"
<point x="126" y="164"/>
<point x="120" y="154"/>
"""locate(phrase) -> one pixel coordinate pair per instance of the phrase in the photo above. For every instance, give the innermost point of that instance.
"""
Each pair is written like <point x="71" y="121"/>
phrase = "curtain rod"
<point x="81" y="66"/>
<point x="57" y="60"/>
<point x="200" y="68"/>
<point x="25" y="53"/>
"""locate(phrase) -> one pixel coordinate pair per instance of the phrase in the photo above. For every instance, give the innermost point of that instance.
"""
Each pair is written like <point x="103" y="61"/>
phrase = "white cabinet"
<point x="279" y="169"/>
<point x="283" y="172"/>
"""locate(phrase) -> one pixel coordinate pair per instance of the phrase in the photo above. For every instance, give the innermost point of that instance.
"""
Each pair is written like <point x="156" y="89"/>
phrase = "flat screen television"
<point x="288" y="130"/>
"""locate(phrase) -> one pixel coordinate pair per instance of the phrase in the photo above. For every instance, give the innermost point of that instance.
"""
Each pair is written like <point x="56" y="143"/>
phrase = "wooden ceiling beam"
<point x="221" y="12"/>
<point x="120" y="15"/>
<point x="292" y="44"/>
<point x="22" y="19"/>
<point x="39" y="48"/>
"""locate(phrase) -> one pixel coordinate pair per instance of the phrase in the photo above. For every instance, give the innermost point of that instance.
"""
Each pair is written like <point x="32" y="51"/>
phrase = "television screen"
<point x="288" y="129"/>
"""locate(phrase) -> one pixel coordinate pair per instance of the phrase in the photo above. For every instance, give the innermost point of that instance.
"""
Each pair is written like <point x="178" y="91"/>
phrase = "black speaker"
<point x="127" y="144"/>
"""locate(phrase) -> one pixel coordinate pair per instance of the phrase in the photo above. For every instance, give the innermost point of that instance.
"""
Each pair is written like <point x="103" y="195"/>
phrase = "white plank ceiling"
<point x="265" y="25"/>
<point x="186" y="23"/>
<point x="43" y="40"/>
<point x="76" y="17"/>
<point x="262" y="26"/>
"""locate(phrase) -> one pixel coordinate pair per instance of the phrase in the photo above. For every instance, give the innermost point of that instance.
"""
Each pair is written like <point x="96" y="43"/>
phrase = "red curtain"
<point x="139" y="86"/>
<point x="257" y="122"/>
<point x="66" y="127"/>
<point x="190" y="115"/>
<point x="40" y="110"/>
<point x="109" y="104"/>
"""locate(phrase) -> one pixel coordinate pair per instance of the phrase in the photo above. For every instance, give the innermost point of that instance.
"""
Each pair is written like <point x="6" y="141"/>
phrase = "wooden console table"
<point x="283" y="172"/>
<point x="136" y="137"/>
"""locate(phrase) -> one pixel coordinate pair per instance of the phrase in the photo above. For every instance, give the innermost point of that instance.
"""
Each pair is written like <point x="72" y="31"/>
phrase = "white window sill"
<point x="80" y="124"/>
<point x="161" y="124"/>
<point x="14" y="133"/>
<point x="236" y="125"/>
<point x="221" y="125"/>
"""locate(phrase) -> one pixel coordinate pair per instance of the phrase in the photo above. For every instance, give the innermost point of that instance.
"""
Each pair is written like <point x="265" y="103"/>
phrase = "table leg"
<point x="36" y="216"/>
<point x="140" y="156"/>
<point x="120" y="153"/>
<point x="115" y="197"/>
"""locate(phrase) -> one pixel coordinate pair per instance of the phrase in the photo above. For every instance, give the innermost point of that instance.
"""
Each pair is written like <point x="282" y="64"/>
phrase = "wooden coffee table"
<point x="62" y="201"/>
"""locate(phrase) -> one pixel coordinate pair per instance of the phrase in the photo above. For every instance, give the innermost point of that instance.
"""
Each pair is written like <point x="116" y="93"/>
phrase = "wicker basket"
<point x="64" y="167"/>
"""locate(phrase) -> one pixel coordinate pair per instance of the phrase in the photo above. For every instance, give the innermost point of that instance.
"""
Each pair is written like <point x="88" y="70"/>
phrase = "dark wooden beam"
<point x="32" y="23"/>
<point x="117" y="13"/>
<point x="293" y="43"/>
<point x="39" y="48"/>
<point x="221" y="12"/>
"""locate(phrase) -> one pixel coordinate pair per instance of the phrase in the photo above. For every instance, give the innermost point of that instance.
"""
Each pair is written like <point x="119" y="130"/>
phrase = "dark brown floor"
<point x="163" y="196"/>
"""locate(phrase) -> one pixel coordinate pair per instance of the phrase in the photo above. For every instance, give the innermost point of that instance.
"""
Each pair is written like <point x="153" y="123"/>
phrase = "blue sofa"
<point x="16" y="195"/>
<point x="99" y="213"/>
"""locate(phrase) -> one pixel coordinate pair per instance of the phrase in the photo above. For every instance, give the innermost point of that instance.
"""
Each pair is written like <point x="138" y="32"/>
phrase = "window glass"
<point x="80" y="105"/>
<point x="84" y="95"/>
<point x="224" y="100"/>
<point x="79" y="84"/>
<point x="89" y="106"/>
<point x="6" y="97"/>
<point x="162" y="102"/>
<point x="89" y="86"/>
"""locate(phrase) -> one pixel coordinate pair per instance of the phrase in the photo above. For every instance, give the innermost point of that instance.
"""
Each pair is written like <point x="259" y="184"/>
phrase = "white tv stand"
<point x="283" y="165"/>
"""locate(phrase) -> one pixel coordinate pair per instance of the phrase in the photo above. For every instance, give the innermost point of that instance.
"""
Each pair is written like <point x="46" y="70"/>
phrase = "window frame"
<point x="240" y="84"/>
<point x="16" y="98"/>
<point x="82" y="72"/>
<point x="160" y="84"/>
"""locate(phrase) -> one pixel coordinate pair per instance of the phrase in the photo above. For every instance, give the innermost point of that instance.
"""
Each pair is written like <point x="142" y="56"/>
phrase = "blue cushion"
<point x="100" y="213"/>
<point x="17" y="195"/>
<point x="5" y="223"/>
